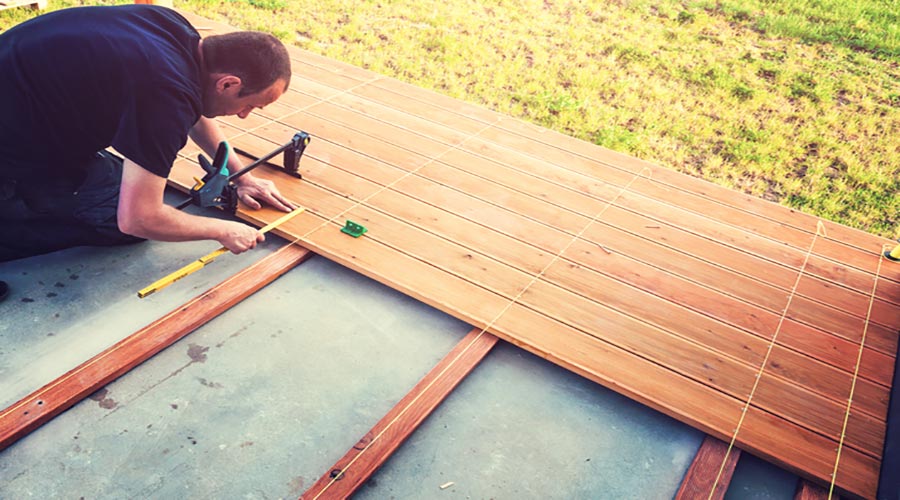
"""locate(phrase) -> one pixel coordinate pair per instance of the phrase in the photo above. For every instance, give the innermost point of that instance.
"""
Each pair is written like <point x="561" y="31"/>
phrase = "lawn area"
<point x="795" y="101"/>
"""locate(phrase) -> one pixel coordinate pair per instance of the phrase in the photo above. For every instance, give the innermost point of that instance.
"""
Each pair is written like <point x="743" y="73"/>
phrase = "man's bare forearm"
<point x="142" y="213"/>
<point x="169" y="224"/>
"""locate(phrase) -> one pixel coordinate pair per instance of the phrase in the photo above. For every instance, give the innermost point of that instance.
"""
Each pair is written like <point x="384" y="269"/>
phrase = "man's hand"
<point x="253" y="190"/>
<point x="142" y="213"/>
<point x="239" y="237"/>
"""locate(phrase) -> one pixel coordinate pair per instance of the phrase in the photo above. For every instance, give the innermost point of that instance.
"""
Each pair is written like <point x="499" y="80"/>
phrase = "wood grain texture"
<point x="39" y="407"/>
<point x="361" y="461"/>
<point x="665" y="288"/>
<point x="712" y="467"/>
<point x="809" y="491"/>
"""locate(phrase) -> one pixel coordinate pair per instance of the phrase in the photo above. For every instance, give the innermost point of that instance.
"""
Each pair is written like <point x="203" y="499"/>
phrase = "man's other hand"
<point x="253" y="190"/>
<point x="239" y="238"/>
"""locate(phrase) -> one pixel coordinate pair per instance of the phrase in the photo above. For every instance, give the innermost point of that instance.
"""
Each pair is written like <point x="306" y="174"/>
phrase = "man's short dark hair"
<point x="258" y="59"/>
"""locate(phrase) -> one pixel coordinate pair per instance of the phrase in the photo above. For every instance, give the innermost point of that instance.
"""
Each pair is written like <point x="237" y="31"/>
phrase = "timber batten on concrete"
<point x="34" y="410"/>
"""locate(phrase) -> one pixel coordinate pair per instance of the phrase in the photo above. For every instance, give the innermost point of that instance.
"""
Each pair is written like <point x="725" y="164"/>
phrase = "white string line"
<point x="593" y="196"/>
<point x="530" y="156"/>
<point x="862" y="344"/>
<point x="820" y="229"/>
<point x="408" y="173"/>
<point x="490" y="324"/>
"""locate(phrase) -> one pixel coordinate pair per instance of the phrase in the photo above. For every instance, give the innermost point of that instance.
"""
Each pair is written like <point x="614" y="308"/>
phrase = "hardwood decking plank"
<point x="465" y="116"/>
<point x="527" y="191"/>
<point x="533" y="232"/>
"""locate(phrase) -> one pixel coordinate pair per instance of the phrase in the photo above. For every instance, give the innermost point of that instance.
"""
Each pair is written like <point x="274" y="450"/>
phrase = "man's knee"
<point x="58" y="214"/>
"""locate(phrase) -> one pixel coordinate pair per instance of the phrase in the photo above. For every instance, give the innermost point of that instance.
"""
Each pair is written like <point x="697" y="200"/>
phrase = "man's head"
<point x="244" y="70"/>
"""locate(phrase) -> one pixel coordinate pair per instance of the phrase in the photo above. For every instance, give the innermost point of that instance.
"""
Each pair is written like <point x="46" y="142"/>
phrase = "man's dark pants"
<point x="43" y="215"/>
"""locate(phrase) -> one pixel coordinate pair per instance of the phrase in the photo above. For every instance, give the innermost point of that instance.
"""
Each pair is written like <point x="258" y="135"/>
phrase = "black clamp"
<point x="217" y="188"/>
<point x="293" y="152"/>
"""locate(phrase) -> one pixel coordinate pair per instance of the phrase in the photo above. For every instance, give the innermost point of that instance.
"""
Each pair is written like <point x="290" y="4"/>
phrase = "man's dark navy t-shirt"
<point x="75" y="81"/>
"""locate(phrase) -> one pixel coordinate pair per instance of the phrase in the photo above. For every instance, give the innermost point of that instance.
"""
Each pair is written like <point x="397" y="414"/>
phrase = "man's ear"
<point x="228" y="85"/>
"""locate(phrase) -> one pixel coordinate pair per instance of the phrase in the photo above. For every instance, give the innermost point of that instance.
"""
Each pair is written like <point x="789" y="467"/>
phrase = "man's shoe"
<point x="4" y="290"/>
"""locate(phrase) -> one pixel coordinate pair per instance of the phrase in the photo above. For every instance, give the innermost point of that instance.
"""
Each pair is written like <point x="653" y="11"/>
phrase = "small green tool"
<point x="353" y="229"/>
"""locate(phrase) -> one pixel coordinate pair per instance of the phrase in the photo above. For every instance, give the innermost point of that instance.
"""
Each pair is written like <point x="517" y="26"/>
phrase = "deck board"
<point x="660" y="286"/>
<point x="522" y="226"/>
<point x="542" y="153"/>
<point x="572" y="222"/>
<point x="538" y="209"/>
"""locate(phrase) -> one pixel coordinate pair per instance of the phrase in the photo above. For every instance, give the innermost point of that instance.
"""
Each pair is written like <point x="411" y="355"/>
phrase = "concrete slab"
<point x="755" y="479"/>
<point x="256" y="404"/>
<point x="67" y="306"/>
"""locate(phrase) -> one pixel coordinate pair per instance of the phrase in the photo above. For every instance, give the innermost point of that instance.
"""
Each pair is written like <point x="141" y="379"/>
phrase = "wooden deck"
<point x="660" y="286"/>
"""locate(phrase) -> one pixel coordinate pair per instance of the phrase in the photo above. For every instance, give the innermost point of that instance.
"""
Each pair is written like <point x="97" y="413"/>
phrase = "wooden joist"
<point x="373" y="449"/>
<point x="39" y="407"/>
<point x="809" y="491"/>
<point x="709" y="469"/>
<point x="710" y="472"/>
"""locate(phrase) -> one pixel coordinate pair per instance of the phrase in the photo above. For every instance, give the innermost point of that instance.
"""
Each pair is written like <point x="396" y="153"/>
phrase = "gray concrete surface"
<point x="261" y="401"/>
<point x="67" y="306"/>
<point x="519" y="427"/>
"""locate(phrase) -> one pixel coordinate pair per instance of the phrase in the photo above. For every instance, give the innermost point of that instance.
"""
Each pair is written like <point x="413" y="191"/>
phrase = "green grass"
<point x="795" y="101"/>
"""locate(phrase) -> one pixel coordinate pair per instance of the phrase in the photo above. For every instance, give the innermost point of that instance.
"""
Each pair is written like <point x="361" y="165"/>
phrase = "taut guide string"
<point x="395" y="181"/>
<point x="820" y="231"/>
<point x="487" y="327"/>
<point x="862" y="344"/>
